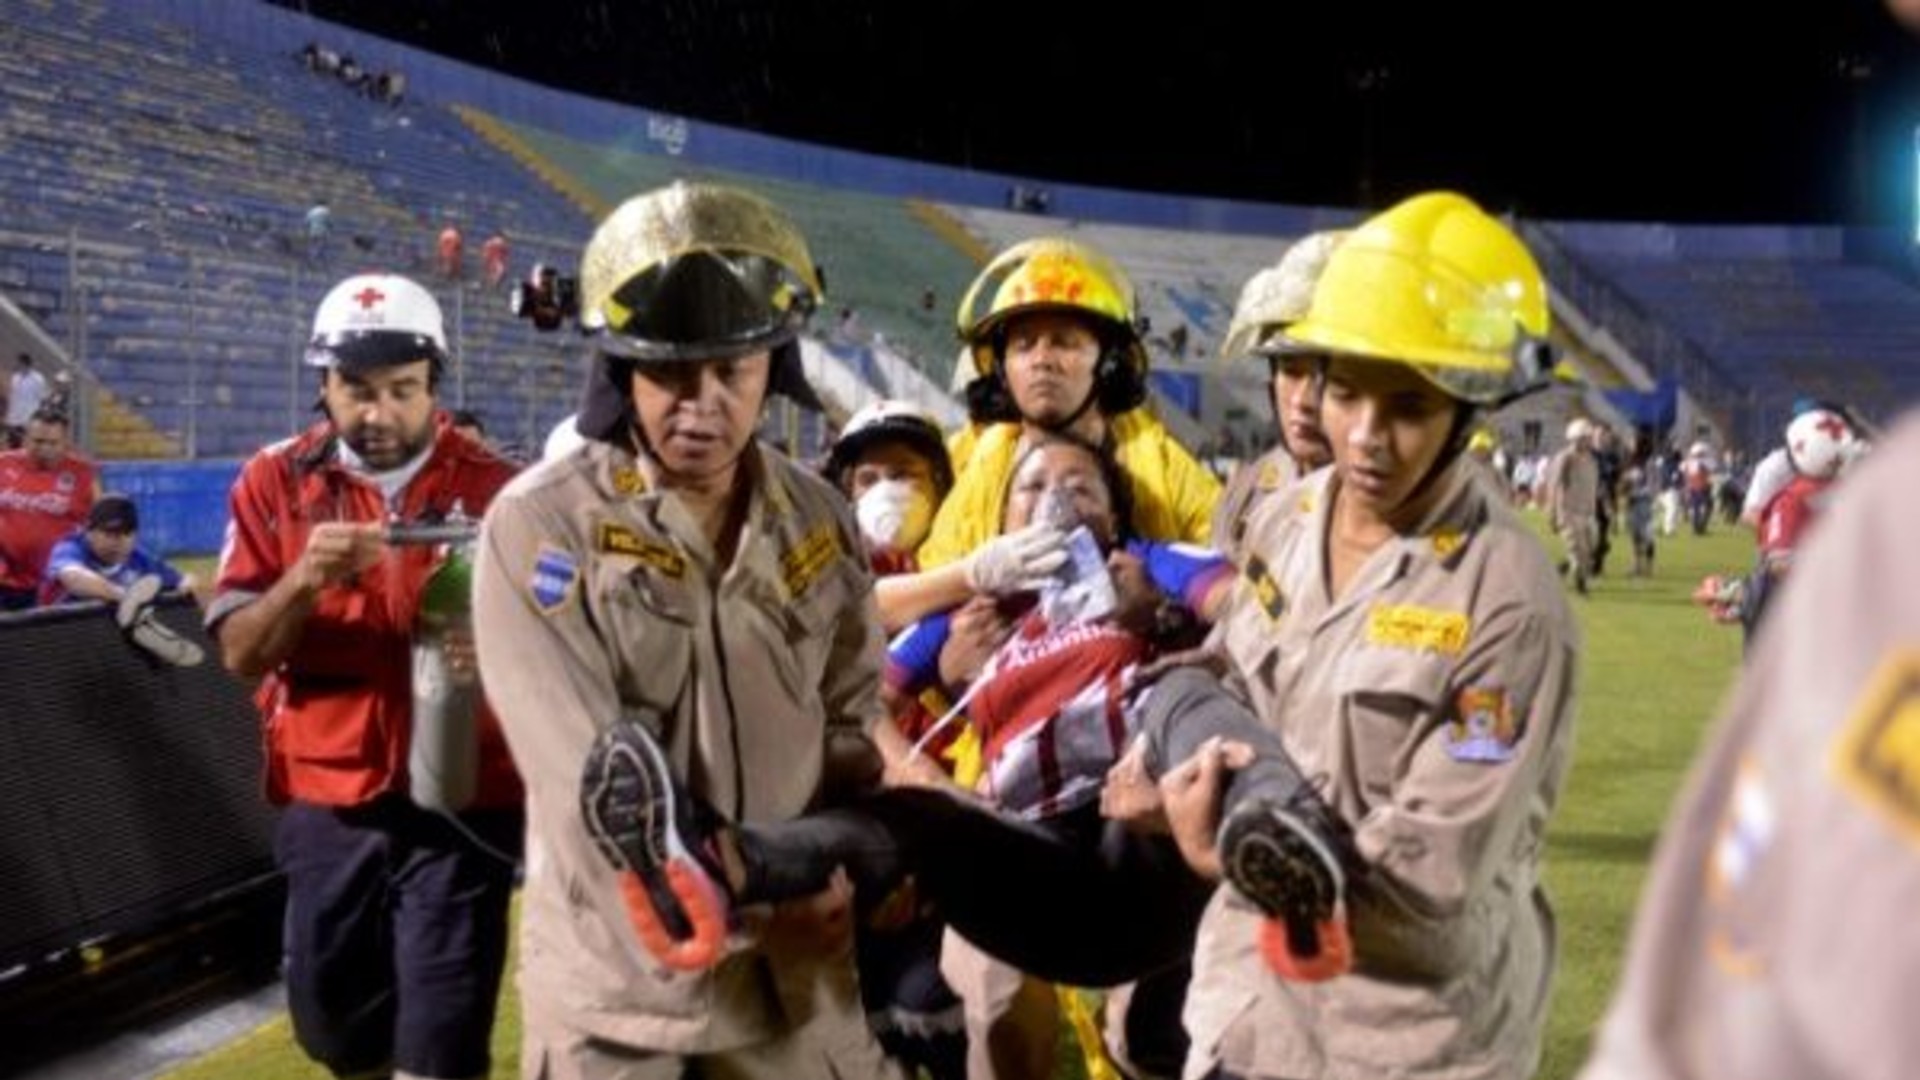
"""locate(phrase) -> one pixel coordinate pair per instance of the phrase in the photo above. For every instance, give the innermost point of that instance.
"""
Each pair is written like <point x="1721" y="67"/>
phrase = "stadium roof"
<point x="1794" y="111"/>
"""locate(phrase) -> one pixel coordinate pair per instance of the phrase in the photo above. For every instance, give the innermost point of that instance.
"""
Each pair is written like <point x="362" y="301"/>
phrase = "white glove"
<point x="1017" y="562"/>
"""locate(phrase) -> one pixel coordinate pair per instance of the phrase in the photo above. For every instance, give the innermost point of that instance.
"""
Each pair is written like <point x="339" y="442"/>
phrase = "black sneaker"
<point x="1286" y="859"/>
<point x="646" y="826"/>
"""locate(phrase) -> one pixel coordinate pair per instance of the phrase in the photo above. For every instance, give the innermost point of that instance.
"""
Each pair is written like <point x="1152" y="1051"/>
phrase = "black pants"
<point x="1074" y="899"/>
<point x="396" y="934"/>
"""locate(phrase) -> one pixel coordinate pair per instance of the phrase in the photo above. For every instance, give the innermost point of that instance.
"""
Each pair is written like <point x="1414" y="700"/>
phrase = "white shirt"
<point x="29" y="390"/>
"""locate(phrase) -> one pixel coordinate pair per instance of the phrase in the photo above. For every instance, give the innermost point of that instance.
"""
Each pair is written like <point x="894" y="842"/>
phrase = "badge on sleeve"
<point x="555" y="578"/>
<point x="1482" y="728"/>
<point x="1877" y="754"/>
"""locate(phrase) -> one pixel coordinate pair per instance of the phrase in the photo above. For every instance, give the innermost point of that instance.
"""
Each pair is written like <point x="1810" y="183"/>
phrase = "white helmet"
<point x="1819" y="442"/>
<point x="1579" y="428"/>
<point x="887" y="420"/>
<point x="377" y="320"/>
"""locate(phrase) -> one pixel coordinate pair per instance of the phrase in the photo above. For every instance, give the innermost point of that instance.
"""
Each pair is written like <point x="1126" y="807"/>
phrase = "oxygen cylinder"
<point x="443" y="764"/>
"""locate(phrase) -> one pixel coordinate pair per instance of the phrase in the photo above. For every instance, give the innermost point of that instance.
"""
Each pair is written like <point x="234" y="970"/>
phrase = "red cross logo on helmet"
<point x="1832" y="426"/>
<point x="368" y="297"/>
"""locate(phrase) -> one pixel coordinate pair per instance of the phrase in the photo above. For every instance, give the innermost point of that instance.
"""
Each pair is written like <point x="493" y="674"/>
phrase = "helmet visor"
<point x="363" y="349"/>
<point x="704" y="304"/>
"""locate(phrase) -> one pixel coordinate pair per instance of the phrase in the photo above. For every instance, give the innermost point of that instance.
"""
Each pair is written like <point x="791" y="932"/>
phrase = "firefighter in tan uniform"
<point x="1405" y="634"/>
<point x="1773" y="941"/>
<point x="1271" y="301"/>
<point x="674" y="573"/>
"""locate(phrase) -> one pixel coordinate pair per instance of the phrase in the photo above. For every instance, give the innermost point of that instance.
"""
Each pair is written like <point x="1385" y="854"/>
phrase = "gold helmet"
<point x="1276" y="297"/>
<point x="1051" y="274"/>
<point x="1436" y="284"/>
<point x="696" y="271"/>
<point x="692" y="272"/>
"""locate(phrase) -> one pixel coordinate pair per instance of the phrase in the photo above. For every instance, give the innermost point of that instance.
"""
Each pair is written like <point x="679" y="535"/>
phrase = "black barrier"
<point x="129" y="790"/>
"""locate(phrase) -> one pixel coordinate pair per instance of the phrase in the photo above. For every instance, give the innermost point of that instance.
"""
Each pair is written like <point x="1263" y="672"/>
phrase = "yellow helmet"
<point x="695" y="271"/>
<point x="1050" y="274"/>
<point x="1276" y="297"/>
<point x="1438" y="285"/>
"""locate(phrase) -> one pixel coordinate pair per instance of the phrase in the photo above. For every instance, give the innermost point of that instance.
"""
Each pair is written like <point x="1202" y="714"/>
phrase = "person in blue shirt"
<point x="102" y="559"/>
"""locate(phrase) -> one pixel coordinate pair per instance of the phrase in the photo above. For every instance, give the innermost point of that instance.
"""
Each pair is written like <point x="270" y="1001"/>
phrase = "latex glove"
<point x="1017" y="562"/>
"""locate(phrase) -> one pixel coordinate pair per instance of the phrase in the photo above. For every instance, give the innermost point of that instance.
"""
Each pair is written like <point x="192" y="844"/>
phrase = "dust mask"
<point x="894" y="515"/>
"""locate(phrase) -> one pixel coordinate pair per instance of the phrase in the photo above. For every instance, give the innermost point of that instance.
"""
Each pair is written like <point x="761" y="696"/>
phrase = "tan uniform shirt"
<point x="596" y="599"/>
<point x="1775" y="940"/>
<point x="1573" y="487"/>
<point x="1434" y="701"/>
<point x="1251" y="485"/>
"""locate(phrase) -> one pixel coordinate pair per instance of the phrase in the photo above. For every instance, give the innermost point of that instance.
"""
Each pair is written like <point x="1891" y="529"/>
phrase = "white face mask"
<point x="894" y="515"/>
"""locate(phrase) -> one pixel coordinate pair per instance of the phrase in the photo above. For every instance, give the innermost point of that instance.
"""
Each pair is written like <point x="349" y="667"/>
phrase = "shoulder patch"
<point x="1406" y="626"/>
<point x="1482" y="727"/>
<point x="555" y="580"/>
<point x="626" y="480"/>
<point x="1270" y="478"/>
<point x="617" y="539"/>
<point x="802" y="564"/>
<point x="1266" y="591"/>
<point x="1877" y="754"/>
<point x="1446" y="541"/>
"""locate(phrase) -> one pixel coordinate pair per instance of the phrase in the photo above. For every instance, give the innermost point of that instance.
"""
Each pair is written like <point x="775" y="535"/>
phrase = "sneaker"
<point x="645" y="825"/>
<point x="136" y="600"/>
<point x="1286" y="859"/>
<point x="160" y="642"/>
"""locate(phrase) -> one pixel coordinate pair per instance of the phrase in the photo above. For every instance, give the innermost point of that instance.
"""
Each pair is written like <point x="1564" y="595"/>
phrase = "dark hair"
<point x="467" y="418"/>
<point x="1119" y="485"/>
<point x="49" y="414"/>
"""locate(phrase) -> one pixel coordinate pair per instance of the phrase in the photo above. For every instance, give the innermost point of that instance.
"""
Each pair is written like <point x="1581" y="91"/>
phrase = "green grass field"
<point x="1655" y="673"/>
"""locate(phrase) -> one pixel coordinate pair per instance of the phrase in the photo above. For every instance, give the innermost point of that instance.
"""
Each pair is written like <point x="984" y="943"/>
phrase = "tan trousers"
<point x="1013" y="1021"/>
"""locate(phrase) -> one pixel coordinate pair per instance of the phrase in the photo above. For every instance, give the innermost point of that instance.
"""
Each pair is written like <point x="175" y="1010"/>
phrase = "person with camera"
<point x="396" y="922"/>
<point x="672" y="572"/>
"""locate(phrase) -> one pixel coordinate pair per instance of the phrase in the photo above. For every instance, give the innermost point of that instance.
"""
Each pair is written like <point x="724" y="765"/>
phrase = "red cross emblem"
<point x="368" y="297"/>
<point x="1832" y="426"/>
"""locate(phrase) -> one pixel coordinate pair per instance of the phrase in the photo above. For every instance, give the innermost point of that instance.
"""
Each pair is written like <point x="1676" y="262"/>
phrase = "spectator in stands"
<point x="393" y="87"/>
<point x="26" y="393"/>
<point x="449" y="248"/>
<point x="102" y="558"/>
<point x="352" y="75"/>
<point x="45" y="492"/>
<point x="467" y="422"/>
<point x="396" y="921"/>
<point x="493" y="259"/>
<point x="319" y="223"/>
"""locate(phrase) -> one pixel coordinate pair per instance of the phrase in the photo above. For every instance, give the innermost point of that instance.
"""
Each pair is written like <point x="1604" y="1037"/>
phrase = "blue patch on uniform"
<point x="554" y="576"/>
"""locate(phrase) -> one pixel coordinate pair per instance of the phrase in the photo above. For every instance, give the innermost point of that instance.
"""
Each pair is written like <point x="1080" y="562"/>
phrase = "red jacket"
<point x="338" y="710"/>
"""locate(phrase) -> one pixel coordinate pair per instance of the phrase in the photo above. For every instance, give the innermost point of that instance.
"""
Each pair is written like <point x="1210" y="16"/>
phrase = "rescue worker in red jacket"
<point x="396" y="915"/>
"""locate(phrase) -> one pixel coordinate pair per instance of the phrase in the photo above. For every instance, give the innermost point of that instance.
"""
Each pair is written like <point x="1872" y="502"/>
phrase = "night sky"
<point x="1790" y="111"/>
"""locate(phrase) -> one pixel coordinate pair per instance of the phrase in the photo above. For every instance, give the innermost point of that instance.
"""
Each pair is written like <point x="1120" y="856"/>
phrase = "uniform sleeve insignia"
<point x="1877" y="754"/>
<point x="1266" y="591"/>
<point x="555" y="579"/>
<point x="803" y="563"/>
<point x="617" y="539"/>
<point x="628" y="481"/>
<point x="1405" y="626"/>
<point x="1482" y="727"/>
<point x="1446" y="541"/>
